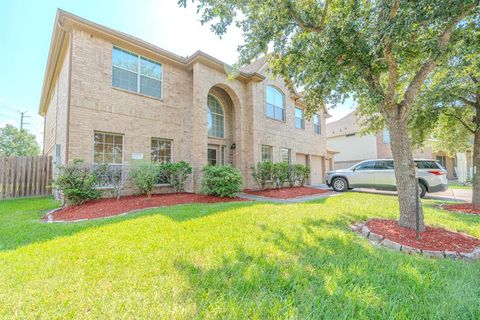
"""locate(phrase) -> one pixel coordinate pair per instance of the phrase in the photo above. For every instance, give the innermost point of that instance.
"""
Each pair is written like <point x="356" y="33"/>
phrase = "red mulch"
<point x="461" y="207"/>
<point x="286" y="193"/>
<point x="434" y="239"/>
<point x="101" y="208"/>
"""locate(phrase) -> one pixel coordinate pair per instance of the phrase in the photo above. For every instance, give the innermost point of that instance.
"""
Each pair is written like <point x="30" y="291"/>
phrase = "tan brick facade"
<point x="83" y="100"/>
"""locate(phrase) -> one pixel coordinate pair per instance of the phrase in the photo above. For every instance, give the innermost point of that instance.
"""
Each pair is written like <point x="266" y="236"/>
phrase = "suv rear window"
<point x="427" y="165"/>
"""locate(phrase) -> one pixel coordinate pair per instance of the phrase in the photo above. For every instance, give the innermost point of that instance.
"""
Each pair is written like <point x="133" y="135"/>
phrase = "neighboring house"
<point x="344" y="136"/>
<point x="111" y="98"/>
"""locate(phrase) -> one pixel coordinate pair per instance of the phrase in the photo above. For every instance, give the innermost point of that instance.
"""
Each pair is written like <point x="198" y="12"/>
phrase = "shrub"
<point x="77" y="183"/>
<point x="144" y="176"/>
<point x="176" y="174"/>
<point x="280" y="173"/>
<point x="302" y="173"/>
<point x="262" y="173"/>
<point x="221" y="181"/>
<point x="292" y="175"/>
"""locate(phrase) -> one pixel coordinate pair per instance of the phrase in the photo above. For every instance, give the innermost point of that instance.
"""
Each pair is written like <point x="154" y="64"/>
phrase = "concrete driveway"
<point x="464" y="195"/>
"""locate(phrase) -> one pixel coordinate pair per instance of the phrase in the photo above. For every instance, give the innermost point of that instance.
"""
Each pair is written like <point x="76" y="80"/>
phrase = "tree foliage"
<point x="379" y="51"/>
<point x="15" y="142"/>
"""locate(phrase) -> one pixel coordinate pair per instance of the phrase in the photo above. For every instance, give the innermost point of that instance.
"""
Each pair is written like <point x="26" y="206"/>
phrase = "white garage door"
<point x="316" y="164"/>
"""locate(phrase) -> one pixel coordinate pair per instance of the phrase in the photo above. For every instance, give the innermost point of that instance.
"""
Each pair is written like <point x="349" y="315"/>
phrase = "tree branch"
<point x="392" y="73"/>
<point x="305" y="25"/>
<point x="461" y="121"/>
<point x="413" y="88"/>
<point x="466" y="101"/>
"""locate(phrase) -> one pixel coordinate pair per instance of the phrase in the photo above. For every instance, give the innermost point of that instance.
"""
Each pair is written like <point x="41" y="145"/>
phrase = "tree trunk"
<point x="476" y="175"/>
<point x="405" y="173"/>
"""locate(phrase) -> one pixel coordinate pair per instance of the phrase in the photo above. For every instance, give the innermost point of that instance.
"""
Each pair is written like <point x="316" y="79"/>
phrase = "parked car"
<point x="378" y="174"/>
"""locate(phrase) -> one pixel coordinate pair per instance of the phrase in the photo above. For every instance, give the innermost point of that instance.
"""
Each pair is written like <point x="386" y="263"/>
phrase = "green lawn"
<point x="234" y="260"/>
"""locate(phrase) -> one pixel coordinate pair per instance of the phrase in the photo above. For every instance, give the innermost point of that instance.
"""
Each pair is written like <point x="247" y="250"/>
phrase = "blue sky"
<point x="26" y="28"/>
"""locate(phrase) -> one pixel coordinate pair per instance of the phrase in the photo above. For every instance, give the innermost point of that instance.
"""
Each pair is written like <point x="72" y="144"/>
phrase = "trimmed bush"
<point x="176" y="174"/>
<point x="280" y="173"/>
<point x="221" y="181"/>
<point x="77" y="183"/>
<point x="292" y="175"/>
<point x="262" y="173"/>
<point x="302" y="173"/>
<point x="145" y="176"/>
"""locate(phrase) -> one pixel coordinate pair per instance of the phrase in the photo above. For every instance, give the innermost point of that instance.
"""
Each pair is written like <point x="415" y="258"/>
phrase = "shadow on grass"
<point x="21" y="220"/>
<point x="323" y="274"/>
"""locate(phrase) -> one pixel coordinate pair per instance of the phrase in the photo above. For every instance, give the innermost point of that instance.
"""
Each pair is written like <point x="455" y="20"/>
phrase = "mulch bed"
<point x="102" y="208"/>
<point x="461" y="208"/>
<point x="286" y="193"/>
<point x="433" y="239"/>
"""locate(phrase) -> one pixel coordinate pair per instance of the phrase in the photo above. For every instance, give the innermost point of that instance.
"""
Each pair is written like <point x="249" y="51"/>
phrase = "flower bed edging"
<point x="362" y="230"/>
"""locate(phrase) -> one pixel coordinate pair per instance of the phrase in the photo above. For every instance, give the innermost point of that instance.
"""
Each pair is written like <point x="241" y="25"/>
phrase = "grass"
<point x="228" y="260"/>
<point x="456" y="185"/>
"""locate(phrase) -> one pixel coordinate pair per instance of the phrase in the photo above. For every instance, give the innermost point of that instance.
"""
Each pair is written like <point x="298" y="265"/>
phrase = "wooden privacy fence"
<point x="25" y="176"/>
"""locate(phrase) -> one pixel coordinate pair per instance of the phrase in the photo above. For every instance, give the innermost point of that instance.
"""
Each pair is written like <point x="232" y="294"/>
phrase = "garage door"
<point x="316" y="164"/>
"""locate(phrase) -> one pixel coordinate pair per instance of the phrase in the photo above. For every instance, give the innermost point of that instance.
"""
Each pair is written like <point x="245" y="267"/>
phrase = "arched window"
<point x="275" y="104"/>
<point x="216" y="118"/>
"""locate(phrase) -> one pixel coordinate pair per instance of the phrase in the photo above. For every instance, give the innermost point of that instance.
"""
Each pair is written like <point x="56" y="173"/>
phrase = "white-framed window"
<point x="386" y="136"/>
<point x="135" y="73"/>
<point x="299" y="118"/>
<point x="161" y="150"/>
<point x="216" y="118"/>
<point x="275" y="104"/>
<point x="108" y="159"/>
<point x="267" y="153"/>
<point x="285" y="155"/>
<point x="316" y="124"/>
<point x="108" y="148"/>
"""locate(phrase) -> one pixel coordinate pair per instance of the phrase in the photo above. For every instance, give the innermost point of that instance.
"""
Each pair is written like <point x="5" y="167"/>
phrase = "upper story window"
<point x="136" y="73"/>
<point x="299" y="118"/>
<point x="275" y="104"/>
<point x="316" y="124"/>
<point x="216" y="117"/>
<point x="386" y="136"/>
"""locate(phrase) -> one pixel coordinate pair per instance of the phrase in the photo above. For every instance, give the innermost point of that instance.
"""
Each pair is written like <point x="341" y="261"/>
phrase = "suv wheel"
<point x="422" y="190"/>
<point x="340" y="184"/>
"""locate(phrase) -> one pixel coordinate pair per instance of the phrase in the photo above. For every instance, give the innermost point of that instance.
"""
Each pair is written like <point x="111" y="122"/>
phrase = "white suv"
<point x="378" y="174"/>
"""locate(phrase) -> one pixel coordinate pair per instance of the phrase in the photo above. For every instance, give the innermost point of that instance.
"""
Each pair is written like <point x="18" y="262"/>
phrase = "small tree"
<point x="77" y="183"/>
<point x="145" y="176"/>
<point x="221" y="181"/>
<point x="292" y="175"/>
<point x="15" y="142"/>
<point x="262" y="173"/>
<point x="110" y="176"/>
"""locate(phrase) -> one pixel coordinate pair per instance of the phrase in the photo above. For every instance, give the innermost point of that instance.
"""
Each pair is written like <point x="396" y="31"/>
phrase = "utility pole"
<point x="22" y="117"/>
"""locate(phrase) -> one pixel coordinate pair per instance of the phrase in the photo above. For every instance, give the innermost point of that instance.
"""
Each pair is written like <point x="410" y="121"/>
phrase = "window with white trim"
<point x="285" y="155"/>
<point x="299" y="118"/>
<point x="216" y="118"/>
<point x="161" y="150"/>
<point x="267" y="153"/>
<point x="275" y="104"/>
<point x="316" y="124"/>
<point x="135" y="73"/>
<point x="108" y="148"/>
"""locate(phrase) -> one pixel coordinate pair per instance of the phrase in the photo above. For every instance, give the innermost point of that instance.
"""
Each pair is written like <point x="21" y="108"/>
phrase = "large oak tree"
<point x="381" y="52"/>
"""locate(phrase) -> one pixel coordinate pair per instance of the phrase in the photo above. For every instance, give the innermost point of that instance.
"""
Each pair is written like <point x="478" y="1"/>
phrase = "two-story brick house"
<point x="112" y="98"/>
